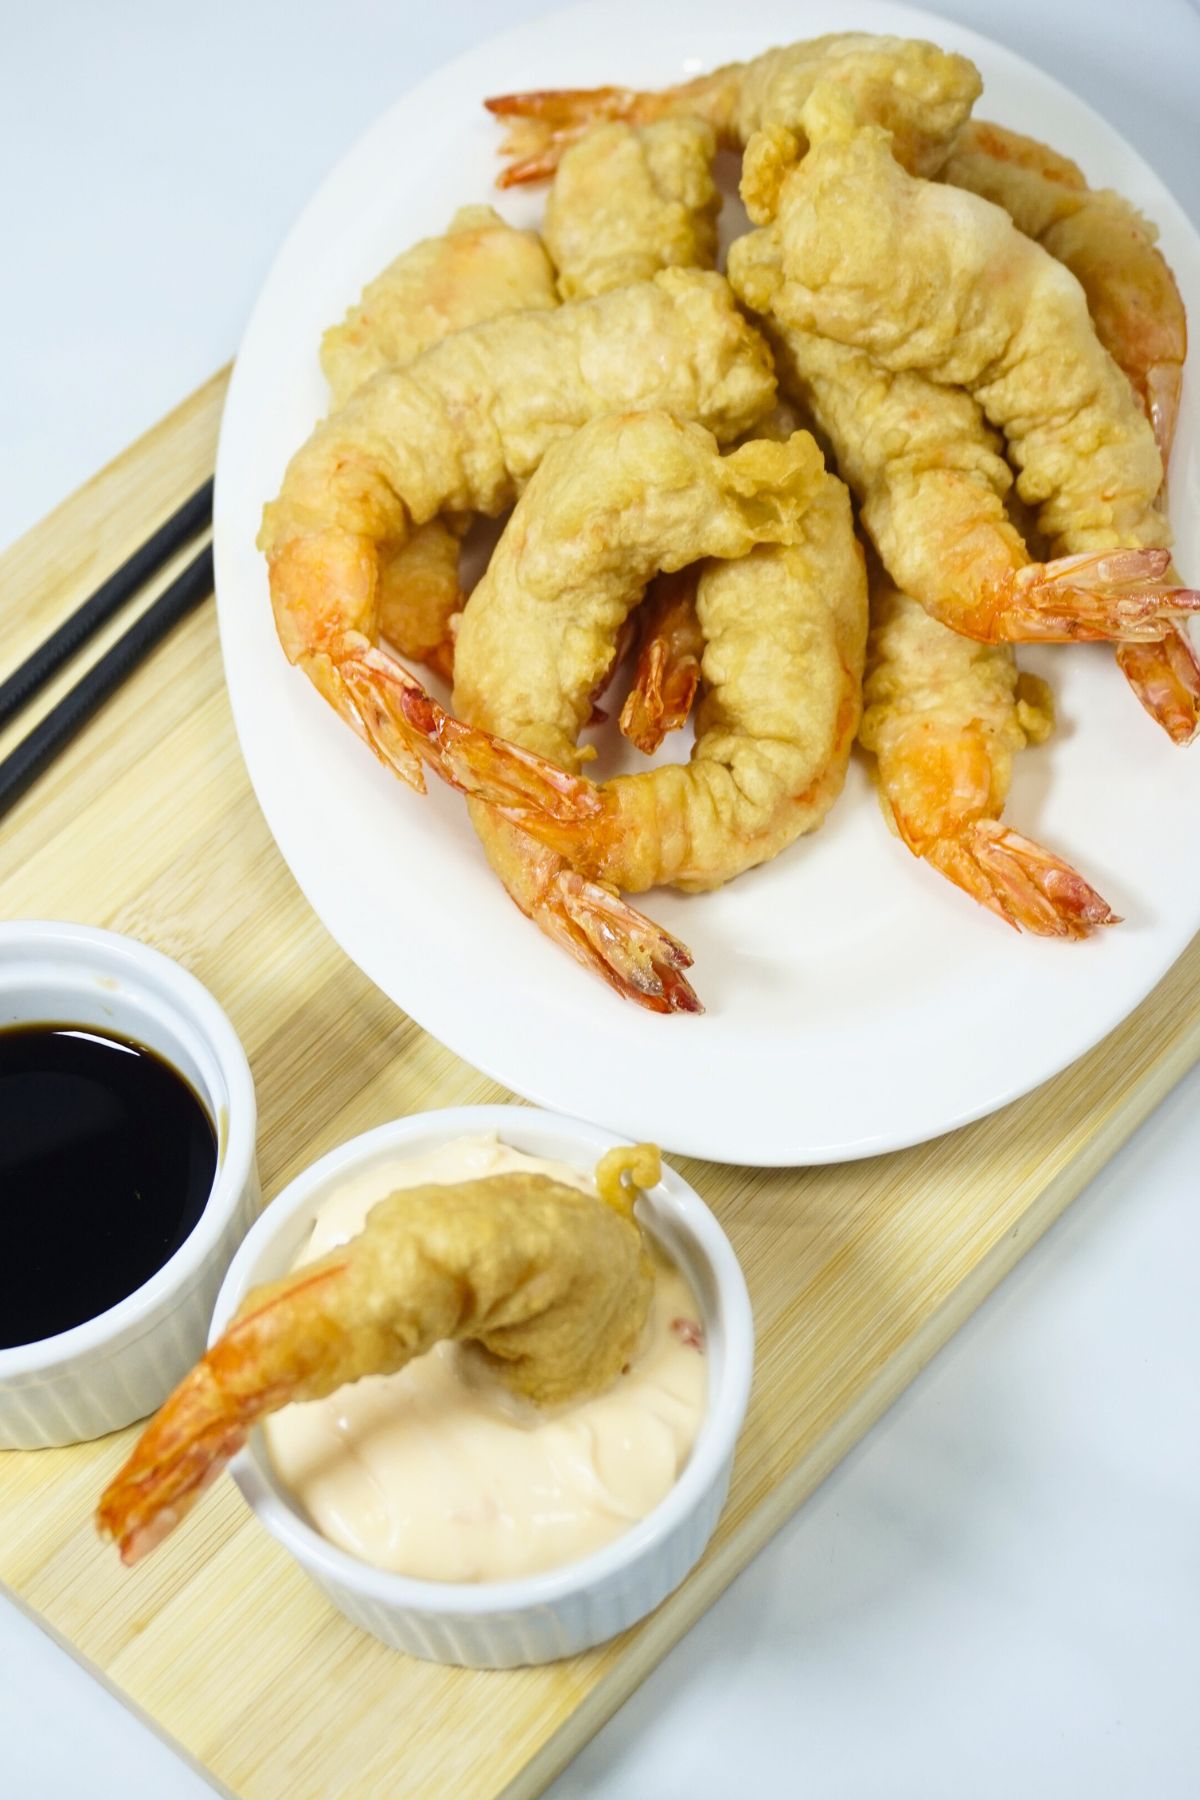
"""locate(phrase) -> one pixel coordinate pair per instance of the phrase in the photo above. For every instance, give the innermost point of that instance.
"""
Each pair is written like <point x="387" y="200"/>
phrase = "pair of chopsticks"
<point x="65" y="720"/>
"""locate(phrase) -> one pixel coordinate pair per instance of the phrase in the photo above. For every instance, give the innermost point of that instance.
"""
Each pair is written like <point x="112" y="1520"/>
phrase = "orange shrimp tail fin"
<point x="638" y="958"/>
<point x="473" y="761"/>
<point x="545" y="122"/>
<point x="1023" y="884"/>
<point x="142" y="1507"/>
<point x="661" y="696"/>
<point x="668" y="665"/>
<point x="360" y="703"/>
<point x="1097" y="596"/>
<point x="1166" y="679"/>
<point x="248" y="1372"/>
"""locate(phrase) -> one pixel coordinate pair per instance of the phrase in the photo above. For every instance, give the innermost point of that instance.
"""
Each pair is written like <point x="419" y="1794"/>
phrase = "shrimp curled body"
<point x="552" y="1284"/>
<point x="782" y="612"/>
<point x="462" y="429"/>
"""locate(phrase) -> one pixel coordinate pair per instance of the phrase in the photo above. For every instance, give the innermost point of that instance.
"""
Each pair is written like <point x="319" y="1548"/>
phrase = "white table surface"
<point x="998" y="1593"/>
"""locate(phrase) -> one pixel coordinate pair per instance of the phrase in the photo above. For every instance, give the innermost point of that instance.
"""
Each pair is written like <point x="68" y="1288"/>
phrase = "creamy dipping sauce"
<point x="441" y="1473"/>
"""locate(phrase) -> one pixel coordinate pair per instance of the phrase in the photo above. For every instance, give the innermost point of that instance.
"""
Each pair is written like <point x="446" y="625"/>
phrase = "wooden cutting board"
<point x="857" y="1273"/>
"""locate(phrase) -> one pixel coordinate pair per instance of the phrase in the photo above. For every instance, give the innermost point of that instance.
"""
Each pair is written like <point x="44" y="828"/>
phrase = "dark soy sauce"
<point x="106" y="1160"/>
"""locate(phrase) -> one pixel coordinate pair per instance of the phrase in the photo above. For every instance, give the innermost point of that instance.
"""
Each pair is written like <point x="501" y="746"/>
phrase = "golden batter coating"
<point x="628" y="201"/>
<point x="932" y="279"/>
<point x="880" y="333"/>
<point x="1139" y="318"/>
<point x="481" y="268"/>
<point x="551" y="1283"/>
<point x="784" y="633"/>
<point x="1106" y="243"/>
<point x="932" y="485"/>
<point x="670" y="641"/>
<point x="920" y="93"/>
<point x="463" y="429"/>
<point x="945" y="716"/>
<point x="420" y="595"/>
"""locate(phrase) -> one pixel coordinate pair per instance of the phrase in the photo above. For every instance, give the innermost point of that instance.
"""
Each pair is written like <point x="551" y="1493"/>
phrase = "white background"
<point x="999" y="1593"/>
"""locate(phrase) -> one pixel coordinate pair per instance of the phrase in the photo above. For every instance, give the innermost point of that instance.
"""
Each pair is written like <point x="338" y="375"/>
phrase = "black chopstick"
<point x="53" y="733"/>
<point x="20" y="687"/>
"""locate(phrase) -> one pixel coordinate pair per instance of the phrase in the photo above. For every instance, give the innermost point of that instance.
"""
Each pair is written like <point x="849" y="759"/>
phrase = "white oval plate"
<point x="856" y="1001"/>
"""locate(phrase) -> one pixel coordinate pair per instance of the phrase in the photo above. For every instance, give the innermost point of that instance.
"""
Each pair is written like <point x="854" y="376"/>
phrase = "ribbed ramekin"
<point x="500" y="1625"/>
<point x="122" y="1364"/>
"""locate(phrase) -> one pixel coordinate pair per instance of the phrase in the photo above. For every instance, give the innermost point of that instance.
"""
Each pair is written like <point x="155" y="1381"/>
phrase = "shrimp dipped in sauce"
<point x="922" y="94"/>
<point x="552" y="1284"/>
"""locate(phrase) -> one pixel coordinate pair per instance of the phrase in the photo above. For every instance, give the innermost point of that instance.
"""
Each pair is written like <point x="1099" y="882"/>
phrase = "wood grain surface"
<point x="857" y="1273"/>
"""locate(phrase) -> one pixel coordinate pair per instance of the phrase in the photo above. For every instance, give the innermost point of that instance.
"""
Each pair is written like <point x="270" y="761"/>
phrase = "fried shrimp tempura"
<point x="552" y="1284"/>
<point x="920" y="93"/>
<point x="930" y="280"/>
<point x="932" y="485"/>
<point x="945" y="716"/>
<point x="1139" y="318"/>
<point x="480" y="269"/>
<point x="628" y="201"/>
<point x="670" y="642"/>
<point x="784" y="631"/>
<point x="1108" y="246"/>
<point x="462" y="429"/>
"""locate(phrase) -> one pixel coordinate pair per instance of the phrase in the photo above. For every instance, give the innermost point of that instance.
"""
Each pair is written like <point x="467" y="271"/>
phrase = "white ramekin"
<point x="500" y="1625"/>
<point x="122" y="1364"/>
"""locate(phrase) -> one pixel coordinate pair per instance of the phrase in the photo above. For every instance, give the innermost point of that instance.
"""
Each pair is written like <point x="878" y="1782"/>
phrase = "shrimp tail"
<point x="1165" y="676"/>
<point x="488" y="768"/>
<point x="362" y="706"/>
<point x="660" y="698"/>
<point x="1093" y="597"/>
<point x="1022" y="883"/>
<point x="545" y="122"/>
<point x="668" y="666"/>
<point x="206" y="1421"/>
<point x="137" y="1517"/>
<point x="638" y="958"/>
